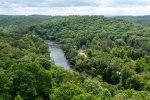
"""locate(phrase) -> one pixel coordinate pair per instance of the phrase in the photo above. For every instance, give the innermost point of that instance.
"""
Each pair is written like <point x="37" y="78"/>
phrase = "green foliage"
<point x="94" y="87"/>
<point x="132" y="95"/>
<point x="134" y="82"/>
<point x="23" y="83"/>
<point x="19" y="20"/>
<point x="23" y="71"/>
<point x="65" y="92"/>
<point x="85" y="96"/>
<point x="5" y="84"/>
<point x="143" y="20"/>
<point x="114" y="50"/>
<point x="111" y="76"/>
<point x="109" y="44"/>
<point x="126" y="73"/>
<point x="18" y="97"/>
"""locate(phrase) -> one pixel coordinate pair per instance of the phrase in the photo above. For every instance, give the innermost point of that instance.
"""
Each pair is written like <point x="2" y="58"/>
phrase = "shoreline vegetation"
<point x="115" y="51"/>
<point x="72" y="67"/>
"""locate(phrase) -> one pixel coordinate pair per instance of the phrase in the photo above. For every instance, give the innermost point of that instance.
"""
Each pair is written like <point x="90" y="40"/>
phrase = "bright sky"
<point x="75" y="7"/>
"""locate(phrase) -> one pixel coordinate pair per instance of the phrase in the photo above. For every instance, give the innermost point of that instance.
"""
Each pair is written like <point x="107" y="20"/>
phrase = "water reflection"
<point x="57" y="55"/>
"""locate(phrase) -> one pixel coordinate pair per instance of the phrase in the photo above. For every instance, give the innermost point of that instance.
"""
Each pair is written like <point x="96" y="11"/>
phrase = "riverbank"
<point x="57" y="54"/>
<point x="59" y="58"/>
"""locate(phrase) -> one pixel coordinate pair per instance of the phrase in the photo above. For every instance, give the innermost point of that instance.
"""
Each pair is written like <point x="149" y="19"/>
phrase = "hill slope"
<point x="143" y="20"/>
<point x="114" y="51"/>
<point x="111" y="46"/>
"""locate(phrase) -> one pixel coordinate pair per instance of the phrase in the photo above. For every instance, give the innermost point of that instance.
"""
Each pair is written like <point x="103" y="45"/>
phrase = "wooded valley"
<point x="110" y="57"/>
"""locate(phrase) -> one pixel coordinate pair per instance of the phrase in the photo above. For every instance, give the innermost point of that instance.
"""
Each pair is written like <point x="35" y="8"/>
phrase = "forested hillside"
<point x="26" y="73"/>
<point x="21" y="19"/>
<point x="111" y="57"/>
<point x="143" y="20"/>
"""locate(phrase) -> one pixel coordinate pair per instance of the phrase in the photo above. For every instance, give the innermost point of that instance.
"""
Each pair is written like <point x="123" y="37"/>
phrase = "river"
<point x="57" y="55"/>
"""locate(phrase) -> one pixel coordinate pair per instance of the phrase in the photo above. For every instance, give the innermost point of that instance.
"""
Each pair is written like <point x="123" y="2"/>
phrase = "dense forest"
<point x="111" y="58"/>
<point x="21" y="19"/>
<point x="144" y="20"/>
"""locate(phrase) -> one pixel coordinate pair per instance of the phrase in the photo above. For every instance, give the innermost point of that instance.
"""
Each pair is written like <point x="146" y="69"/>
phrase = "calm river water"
<point x="57" y="55"/>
